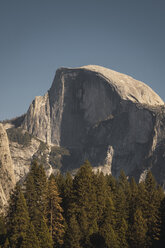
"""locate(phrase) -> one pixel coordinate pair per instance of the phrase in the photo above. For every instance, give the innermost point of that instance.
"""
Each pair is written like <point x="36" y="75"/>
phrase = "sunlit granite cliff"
<point x="7" y="177"/>
<point x="97" y="114"/>
<point x="94" y="113"/>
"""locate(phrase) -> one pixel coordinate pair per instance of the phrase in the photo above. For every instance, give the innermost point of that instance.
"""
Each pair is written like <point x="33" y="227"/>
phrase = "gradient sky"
<point x="39" y="36"/>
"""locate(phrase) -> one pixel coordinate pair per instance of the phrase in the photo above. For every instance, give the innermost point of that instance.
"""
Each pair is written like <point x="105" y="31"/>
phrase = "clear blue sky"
<point x="38" y="36"/>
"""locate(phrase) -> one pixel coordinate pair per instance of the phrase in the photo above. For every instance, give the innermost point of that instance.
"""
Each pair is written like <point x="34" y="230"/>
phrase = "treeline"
<point x="89" y="210"/>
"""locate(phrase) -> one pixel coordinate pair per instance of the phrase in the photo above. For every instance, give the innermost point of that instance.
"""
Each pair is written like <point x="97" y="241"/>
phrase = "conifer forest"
<point x="85" y="211"/>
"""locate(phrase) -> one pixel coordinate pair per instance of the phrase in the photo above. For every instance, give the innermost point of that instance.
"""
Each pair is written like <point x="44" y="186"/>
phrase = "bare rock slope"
<point x="7" y="176"/>
<point x="101" y="115"/>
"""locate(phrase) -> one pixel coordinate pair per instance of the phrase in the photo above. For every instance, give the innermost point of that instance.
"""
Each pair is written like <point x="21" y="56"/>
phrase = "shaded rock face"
<point x="156" y="159"/>
<point x="7" y="176"/>
<point x="129" y="132"/>
<point x="100" y="115"/>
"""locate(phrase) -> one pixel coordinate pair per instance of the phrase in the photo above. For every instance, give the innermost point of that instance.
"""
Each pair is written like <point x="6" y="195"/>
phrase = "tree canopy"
<point x="85" y="211"/>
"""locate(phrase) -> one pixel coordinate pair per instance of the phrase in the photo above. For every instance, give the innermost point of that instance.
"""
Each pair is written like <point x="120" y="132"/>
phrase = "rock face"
<point x="22" y="157"/>
<point x="101" y="115"/>
<point x="91" y="112"/>
<point x="7" y="177"/>
<point x="37" y="120"/>
<point x="25" y="147"/>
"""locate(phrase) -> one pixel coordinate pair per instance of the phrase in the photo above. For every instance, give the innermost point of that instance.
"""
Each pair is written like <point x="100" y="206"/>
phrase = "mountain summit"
<point x="97" y="114"/>
<point x="87" y="94"/>
<point x="94" y="113"/>
<point x="127" y="87"/>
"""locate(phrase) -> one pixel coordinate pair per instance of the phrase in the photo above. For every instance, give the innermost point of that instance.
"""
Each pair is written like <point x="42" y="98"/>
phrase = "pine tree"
<point x="67" y="196"/>
<point x="60" y="181"/>
<point x="141" y="197"/>
<point x="112" y="183"/>
<point x="41" y="188"/>
<point x="151" y="210"/>
<point x="36" y="193"/>
<point x="42" y="231"/>
<point x="121" y="196"/>
<point x="162" y="210"/>
<point x="54" y="213"/>
<point x="122" y="234"/>
<point x="121" y="206"/>
<point x="85" y="201"/>
<point x="30" y="240"/>
<point x="73" y="235"/>
<point x="31" y="195"/>
<point x="133" y="205"/>
<point x="110" y="237"/>
<point x="83" y="222"/>
<point x="101" y="193"/>
<point x="108" y="225"/>
<point x="124" y="188"/>
<point x="139" y="231"/>
<point x="36" y="188"/>
<point x="133" y="199"/>
<point x="19" y="226"/>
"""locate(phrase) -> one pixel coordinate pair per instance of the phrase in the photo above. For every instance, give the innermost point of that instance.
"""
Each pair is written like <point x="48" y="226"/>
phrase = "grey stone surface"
<point x="100" y="115"/>
<point x="111" y="119"/>
<point x="37" y="119"/>
<point x="22" y="157"/>
<point x="7" y="176"/>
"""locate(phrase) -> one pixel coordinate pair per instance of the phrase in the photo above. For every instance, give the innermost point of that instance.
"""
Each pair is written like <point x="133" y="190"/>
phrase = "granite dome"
<point x="94" y="113"/>
<point x="126" y="86"/>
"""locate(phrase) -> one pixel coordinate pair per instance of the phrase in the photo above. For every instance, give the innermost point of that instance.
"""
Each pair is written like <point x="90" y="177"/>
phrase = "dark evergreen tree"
<point x="141" y="197"/>
<point x="110" y="237"/>
<point x="36" y="194"/>
<point x="112" y="183"/>
<point x="42" y="231"/>
<point x="54" y="213"/>
<point x="133" y="206"/>
<point x="31" y="195"/>
<point x="102" y="194"/>
<point x="139" y="231"/>
<point x="60" y="181"/>
<point x="151" y="210"/>
<point x="133" y="199"/>
<point x="36" y="189"/>
<point x="73" y="235"/>
<point x="67" y="196"/>
<point x="85" y="202"/>
<point x="123" y="188"/>
<point x="30" y="240"/>
<point x="19" y="226"/>
<point x="121" y="205"/>
<point x="108" y="225"/>
<point x="162" y="236"/>
<point x="123" y="234"/>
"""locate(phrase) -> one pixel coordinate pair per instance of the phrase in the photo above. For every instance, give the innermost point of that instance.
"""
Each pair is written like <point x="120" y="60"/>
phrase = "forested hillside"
<point x="89" y="210"/>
